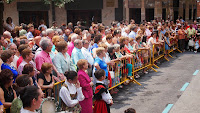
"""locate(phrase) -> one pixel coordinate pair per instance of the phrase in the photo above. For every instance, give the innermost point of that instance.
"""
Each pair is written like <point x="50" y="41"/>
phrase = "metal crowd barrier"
<point x="145" y="59"/>
<point x="174" y="46"/>
<point x="158" y="53"/>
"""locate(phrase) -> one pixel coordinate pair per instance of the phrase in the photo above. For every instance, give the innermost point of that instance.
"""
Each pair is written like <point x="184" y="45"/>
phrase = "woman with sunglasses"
<point x="7" y="94"/>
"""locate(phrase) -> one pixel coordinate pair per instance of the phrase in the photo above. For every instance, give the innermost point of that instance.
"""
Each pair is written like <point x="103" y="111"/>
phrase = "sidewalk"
<point x="189" y="102"/>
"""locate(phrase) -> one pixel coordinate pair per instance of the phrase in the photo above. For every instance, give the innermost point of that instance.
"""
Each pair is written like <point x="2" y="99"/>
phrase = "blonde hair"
<point x="122" y="39"/>
<point x="81" y="63"/>
<point x="131" y="39"/>
<point x="99" y="50"/>
<point x="56" y="39"/>
<point x="103" y="45"/>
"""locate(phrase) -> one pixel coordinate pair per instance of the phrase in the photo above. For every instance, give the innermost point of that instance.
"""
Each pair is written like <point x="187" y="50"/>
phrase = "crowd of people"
<point x="33" y="59"/>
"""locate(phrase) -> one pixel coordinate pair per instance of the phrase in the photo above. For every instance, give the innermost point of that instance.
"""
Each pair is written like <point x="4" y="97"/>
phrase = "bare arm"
<point x="96" y="65"/>
<point x="41" y="82"/>
<point x="6" y="104"/>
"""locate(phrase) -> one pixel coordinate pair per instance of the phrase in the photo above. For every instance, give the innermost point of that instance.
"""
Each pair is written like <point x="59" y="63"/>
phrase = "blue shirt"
<point x="76" y="55"/>
<point x="0" y="103"/>
<point x="65" y="37"/>
<point x="14" y="71"/>
<point x="102" y="65"/>
<point x="95" y="45"/>
<point x="132" y="34"/>
<point x="29" y="35"/>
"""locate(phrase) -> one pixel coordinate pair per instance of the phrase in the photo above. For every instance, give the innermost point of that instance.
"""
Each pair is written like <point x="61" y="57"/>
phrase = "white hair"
<point x="76" y="42"/>
<point x="7" y="33"/>
<point x="49" y="30"/>
<point x="44" y="33"/>
<point x="74" y="37"/>
<point x="59" y="31"/>
<point x="44" y="43"/>
<point x="127" y="28"/>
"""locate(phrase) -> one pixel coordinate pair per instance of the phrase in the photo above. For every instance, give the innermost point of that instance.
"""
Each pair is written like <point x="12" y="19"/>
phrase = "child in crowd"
<point x="130" y="110"/>
<point x="191" y="43"/>
<point x="167" y="43"/>
<point x="196" y="47"/>
<point x="103" y="99"/>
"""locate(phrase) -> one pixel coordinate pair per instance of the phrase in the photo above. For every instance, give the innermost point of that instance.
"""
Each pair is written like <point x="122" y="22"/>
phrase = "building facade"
<point x="26" y="11"/>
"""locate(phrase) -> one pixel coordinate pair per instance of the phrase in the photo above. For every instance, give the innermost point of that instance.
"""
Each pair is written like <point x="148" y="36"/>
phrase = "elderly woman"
<point x="45" y="78"/>
<point x="7" y="94"/>
<point x="86" y="85"/>
<point x="7" y="56"/>
<point x="55" y="40"/>
<point x="62" y="60"/>
<point x="99" y="62"/>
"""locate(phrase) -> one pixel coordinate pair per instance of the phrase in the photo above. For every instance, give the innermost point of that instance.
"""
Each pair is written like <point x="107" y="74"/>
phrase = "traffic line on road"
<point x="167" y="109"/>
<point x="195" y="73"/>
<point x="184" y="86"/>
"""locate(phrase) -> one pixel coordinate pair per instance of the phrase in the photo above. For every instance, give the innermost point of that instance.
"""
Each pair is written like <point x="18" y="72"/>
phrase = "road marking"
<point x="184" y="86"/>
<point x="167" y="109"/>
<point x="195" y="73"/>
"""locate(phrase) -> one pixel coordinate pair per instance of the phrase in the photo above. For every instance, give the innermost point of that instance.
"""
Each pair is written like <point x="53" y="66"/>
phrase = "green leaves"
<point x="59" y="3"/>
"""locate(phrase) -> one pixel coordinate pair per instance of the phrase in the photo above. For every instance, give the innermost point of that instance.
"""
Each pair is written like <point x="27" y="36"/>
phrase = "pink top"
<point x="41" y="58"/>
<point x="84" y="80"/>
<point x="19" y="61"/>
<point x="70" y="48"/>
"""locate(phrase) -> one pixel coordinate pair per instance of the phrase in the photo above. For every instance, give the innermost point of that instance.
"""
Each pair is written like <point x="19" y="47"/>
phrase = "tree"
<point x="59" y="3"/>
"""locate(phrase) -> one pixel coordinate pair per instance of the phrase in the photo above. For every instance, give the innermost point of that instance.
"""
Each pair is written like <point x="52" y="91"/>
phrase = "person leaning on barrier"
<point x="100" y="63"/>
<point x="71" y="93"/>
<point x="31" y="97"/>
<point x="45" y="78"/>
<point x="122" y="55"/>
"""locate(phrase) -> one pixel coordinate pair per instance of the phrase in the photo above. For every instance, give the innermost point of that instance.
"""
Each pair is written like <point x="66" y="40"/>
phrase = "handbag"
<point x="191" y="43"/>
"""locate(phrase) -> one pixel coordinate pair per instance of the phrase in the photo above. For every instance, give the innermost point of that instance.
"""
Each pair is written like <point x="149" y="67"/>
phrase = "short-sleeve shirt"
<point x="41" y="58"/>
<point x="102" y="64"/>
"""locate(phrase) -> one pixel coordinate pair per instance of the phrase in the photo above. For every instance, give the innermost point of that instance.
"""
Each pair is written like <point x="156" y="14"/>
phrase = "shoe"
<point x="145" y="72"/>
<point x="195" y="51"/>
<point x="120" y="86"/>
<point x="137" y="76"/>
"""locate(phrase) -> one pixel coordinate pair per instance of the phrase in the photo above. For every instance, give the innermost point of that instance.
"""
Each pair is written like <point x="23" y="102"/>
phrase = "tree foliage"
<point x="59" y="3"/>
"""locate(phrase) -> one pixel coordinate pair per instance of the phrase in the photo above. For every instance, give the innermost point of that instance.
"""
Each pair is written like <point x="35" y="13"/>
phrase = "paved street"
<point x="158" y="88"/>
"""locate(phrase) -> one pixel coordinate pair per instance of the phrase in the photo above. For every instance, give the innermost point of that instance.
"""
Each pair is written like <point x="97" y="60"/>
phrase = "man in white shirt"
<point x="133" y="32"/>
<point x="126" y="32"/>
<point x="88" y="56"/>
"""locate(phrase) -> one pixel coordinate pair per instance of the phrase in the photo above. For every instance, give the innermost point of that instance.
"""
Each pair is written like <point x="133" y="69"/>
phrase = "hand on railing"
<point x="51" y="85"/>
